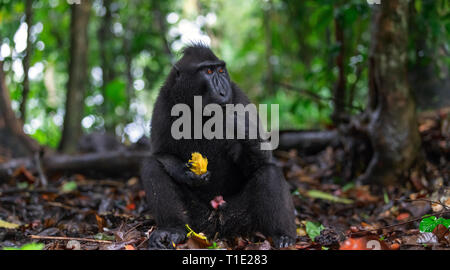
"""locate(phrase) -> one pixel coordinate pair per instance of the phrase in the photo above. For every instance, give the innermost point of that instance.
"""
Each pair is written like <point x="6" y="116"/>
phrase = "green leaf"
<point x="115" y="91"/>
<point x="386" y="197"/>
<point x="213" y="246"/>
<point x="418" y="6"/>
<point x="428" y="224"/>
<point x="446" y="223"/>
<point x="443" y="221"/>
<point x="29" y="246"/>
<point x="348" y="186"/>
<point x="22" y="185"/>
<point x="103" y="236"/>
<point x="313" y="229"/>
<point x="69" y="186"/>
<point x="317" y="194"/>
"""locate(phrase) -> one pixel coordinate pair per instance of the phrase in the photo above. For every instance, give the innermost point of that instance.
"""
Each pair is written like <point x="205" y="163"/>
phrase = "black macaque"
<point x="243" y="191"/>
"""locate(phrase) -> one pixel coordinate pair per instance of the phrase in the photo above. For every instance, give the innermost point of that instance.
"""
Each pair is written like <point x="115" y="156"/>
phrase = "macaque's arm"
<point x="180" y="172"/>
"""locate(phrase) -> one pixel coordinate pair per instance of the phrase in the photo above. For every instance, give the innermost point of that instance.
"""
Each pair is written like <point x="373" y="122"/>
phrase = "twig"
<point x="440" y="213"/>
<point x="424" y="200"/>
<point x="394" y="225"/>
<point x="42" y="177"/>
<point x="26" y="190"/>
<point x="134" y="227"/>
<point x="68" y="207"/>
<point x="69" y="238"/>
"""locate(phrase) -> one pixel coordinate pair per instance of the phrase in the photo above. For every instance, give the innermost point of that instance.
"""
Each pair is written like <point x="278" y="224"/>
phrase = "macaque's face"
<point x="207" y="77"/>
<point x="214" y="82"/>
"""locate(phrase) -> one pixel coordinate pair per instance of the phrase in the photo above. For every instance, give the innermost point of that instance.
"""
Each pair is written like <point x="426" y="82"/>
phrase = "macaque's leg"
<point x="267" y="199"/>
<point x="165" y="203"/>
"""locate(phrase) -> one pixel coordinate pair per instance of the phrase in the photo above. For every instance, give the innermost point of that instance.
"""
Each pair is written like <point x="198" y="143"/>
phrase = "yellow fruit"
<point x="198" y="163"/>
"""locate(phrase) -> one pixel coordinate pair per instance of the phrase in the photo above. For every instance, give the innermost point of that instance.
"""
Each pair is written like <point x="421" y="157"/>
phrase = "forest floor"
<point x="76" y="212"/>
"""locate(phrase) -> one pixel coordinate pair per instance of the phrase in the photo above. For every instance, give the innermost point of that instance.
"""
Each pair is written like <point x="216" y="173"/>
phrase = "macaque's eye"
<point x="209" y="71"/>
<point x="221" y="70"/>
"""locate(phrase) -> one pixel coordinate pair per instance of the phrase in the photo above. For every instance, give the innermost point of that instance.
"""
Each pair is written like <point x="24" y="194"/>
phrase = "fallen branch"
<point x="309" y="142"/>
<point x="113" y="164"/>
<point x="69" y="238"/>
<point x="126" y="163"/>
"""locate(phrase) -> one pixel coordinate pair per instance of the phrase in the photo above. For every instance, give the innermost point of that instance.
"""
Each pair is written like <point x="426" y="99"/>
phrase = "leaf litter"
<point x="75" y="212"/>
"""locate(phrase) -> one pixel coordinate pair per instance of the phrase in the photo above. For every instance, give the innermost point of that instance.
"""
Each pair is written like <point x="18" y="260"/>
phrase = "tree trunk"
<point x="269" y="80"/>
<point x="78" y="76"/>
<point x="430" y="89"/>
<point x="26" y="60"/>
<point x="128" y="74"/>
<point x="392" y="127"/>
<point x="106" y="59"/>
<point x="160" y="21"/>
<point x="339" y="93"/>
<point x="13" y="141"/>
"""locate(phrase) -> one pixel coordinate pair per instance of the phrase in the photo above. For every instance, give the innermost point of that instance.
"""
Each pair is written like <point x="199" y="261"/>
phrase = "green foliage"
<point x="313" y="229"/>
<point x="29" y="246"/>
<point x="213" y="246"/>
<point x="429" y="223"/>
<point x="266" y="44"/>
<point x="69" y="186"/>
<point x="115" y="92"/>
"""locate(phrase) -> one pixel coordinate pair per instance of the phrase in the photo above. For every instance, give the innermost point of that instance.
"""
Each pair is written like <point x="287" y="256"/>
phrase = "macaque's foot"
<point x="198" y="180"/>
<point x="166" y="238"/>
<point x="218" y="203"/>
<point x="283" y="241"/>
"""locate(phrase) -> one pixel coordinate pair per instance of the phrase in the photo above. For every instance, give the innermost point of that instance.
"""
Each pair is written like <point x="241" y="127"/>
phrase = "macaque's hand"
<point x="166" y="238"/>
<point x="196" y="180"/>
<point x="196" y="171"/>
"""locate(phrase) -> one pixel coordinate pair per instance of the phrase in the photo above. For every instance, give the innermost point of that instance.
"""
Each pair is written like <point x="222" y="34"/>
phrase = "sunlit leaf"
<point x="29" y="246"/>
<point x="317" y="194"/>
<point x="8" y="225"/>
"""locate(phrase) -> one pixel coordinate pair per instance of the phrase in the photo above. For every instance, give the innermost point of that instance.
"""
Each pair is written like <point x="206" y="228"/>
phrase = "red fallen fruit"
<point x="364" y="243"/>
<point x="131" y="206"/>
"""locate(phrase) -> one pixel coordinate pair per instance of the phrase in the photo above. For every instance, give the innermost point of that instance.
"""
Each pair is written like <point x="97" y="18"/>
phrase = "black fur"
<point x="254" y="188"/>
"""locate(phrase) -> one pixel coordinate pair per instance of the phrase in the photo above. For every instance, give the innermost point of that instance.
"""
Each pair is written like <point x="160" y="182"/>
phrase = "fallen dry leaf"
<point x="403" y="216"/>
<point x="24" y="174"/>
